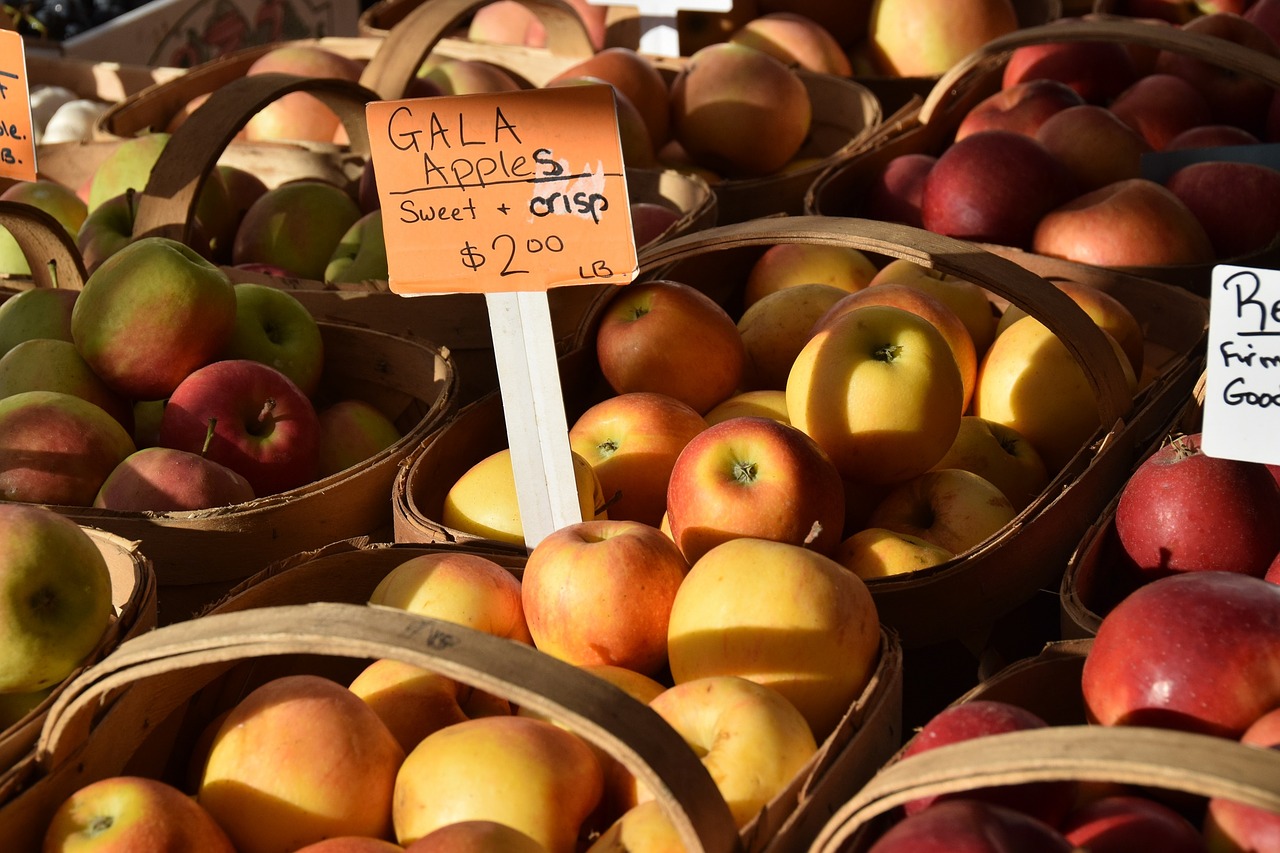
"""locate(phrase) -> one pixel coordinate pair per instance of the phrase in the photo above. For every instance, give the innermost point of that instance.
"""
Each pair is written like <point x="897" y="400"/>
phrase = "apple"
<point x="724" y="94"/>
<point x="272" y="326"/>
<point x="150" y="315"/>
<point x="1048" y="802"/>
<point x="351" y="844"/>
<point x="16" y="707"/>
<point x="108" y="228"/>
<point x="361" y="253"/>
<point x="797" y="40"/>
<point x="161" y="479"/>
<point x="299" y="116"/>
<point x="1096" y="146"/>
<point x="1021" y="108"/>
<point x="895" y="192"/>
<point x="1134" y="222"/>
<point x="299" y="759"/>
<point x="1097" y="70"/>
<point x="483" y="502"/>
<point x="927" y="306"/>
<point x="295" y="226"/>
<point x="758" y="478"/>
<point x="600" y="592"/>
<point x="1001" y="456"/>
<point x="1122" y="822"/>
<point x="950" y="507"/>
<point x="264" y="427"/>
<point x="507" y="22"/>
<point x="1265" y="15"/>
<point x="454" y="76"/>
<point x="133" y="814"/>
<point x="57" y="597"/>
<point x="785" y="265"/>
<point x="1185" y="511"/>
<point x="880" y="392"/>
<point x="1216" y="192"/>
<point x="57" y="448"/>
<point x="1234" y="827"/>
<point x="992" y="187"/>
<point x="643" y="828"/>
<point x="468" y="589"/>
<point x="49" y="364"/>
<point x="651" y="221"/>
<point x="776" y="327"/>
<point x="637" y="78"/>
<point x="474" y="836"/>
<point x="1211" y="136"/>
<point x="633" y="133"/>
<point x="1193" y="651"/>
<point x="910" y="38"/>
<point x="243" y="188"/>
<point x="751" y="739"/>
<point x="668" y="337"/>
<point x="970" y="826"/>
<point x="631" y="441"/>
<point x="1160" y="107"/>
<point x="55" y="199"/>
<point x="414" y="702"/>
<point x="352" y="431"/>
<point x="769" y="403"/>
<point x="781" y="615"/>
<point x="527" y="773"/>
<point x="876" y="552"/>
<point x="967" y="299"/>
<point x="36" y="313"/>
<point x="1234" y="98"/>
<point x="1029" y="362"/>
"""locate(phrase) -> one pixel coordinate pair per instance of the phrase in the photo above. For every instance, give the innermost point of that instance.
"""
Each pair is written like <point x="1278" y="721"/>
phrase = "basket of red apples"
<point x="1114" y="142"/>
<point x="1159" y="733"/>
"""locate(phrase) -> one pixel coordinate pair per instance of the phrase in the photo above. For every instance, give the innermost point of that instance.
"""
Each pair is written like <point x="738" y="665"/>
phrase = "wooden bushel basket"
<point x="199" y="555"/>
<point x="839" y="191"/>
<point x="1160" y="761"/>
<point x="129" y="713"/>
<point x="133" y="601"/>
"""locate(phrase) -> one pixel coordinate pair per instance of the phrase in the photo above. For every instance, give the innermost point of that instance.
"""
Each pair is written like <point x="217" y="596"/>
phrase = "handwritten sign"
<point x="17" y="141"/>
<point x="510" y="192"/>
<point x="1242" y="376"/>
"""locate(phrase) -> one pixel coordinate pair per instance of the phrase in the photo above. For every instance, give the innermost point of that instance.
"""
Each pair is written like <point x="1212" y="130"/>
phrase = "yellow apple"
<point x="352" y="844"/>
<point x="968" y="300"/>
<point x="643" y="828"/>
<point x="875" y="552"/>
<point x="764" y="403"/>
<point x="468" y="589"/>
<point x="998" y="454"/>
<point x="923" y="38"/>
<point x="789" y="264"/>
<point x="414" y="702"/>
<point x="300" y="759"/>
<point x="1031" y="382"/>
<point x="954" y="509"/>
<point x="781" y="615"/>
<point x="132" y="814"/>
<point x="776" y="327"/>
<point x="475" y="836"/>
<point x="526" y="773"/>
<point x="483" y="500"/>
<point x="750" y="737"/>
<point x="879" y="390"/>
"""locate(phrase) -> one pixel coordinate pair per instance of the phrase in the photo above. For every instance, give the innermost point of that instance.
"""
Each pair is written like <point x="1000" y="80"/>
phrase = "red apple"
<point x="993" y="187"/>
<point x="1022" y="107"/>
<point x="162" y="479"/>
<point x="1233" y="827"/>
<point x="1097" y="70"/>
<point x="896" y="191"/>
<point x="1046" y="801"/>
<point x="265" y="427"/>
<point x="1198" y="651"/>
<point x="650" y="220"/>
<point x="1211" y="136"/>
<point x="1160" y="106"/>
<point x="1122" y="823"/>
<point x="1265" y="15"/>
<point x="757" y="478"/>
<point x="1216" y="191"/>
<point x="1095" y="145"/>
<point x="970" y="826"/>
<point x="1185" y="511"/>
<point x="133" y="814"/>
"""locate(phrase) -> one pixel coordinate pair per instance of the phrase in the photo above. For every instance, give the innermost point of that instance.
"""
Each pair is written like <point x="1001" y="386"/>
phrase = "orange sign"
<point x="510" y="192"/>
<point x="17" y="141"/>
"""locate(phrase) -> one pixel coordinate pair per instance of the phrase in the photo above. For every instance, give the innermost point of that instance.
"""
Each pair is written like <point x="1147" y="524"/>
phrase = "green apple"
<point x="55" y="199"/>
<point x="274" y="327"/>
<point x="295" y="226"/>
<point x="36" y="313"/>
<point x="467" y="77"/>
<point x="56" y="597"/>
<point x="48" y="364"/>
<point x="352" y="431"/>
<point x="361" y="254"/>
<point x="15" y="706"/>
<point x="107" y="229"/>
<point x="127" y="167"/>
<point x="151" y="314"/>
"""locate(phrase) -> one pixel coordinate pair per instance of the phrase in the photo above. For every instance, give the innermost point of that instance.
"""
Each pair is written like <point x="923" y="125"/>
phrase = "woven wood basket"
<point x="840" y="189"/>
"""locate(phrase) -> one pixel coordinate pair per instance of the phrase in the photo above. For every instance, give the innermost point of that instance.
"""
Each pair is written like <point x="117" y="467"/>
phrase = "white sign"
<point x="658" y="33"/>
<point x="1242" y="375"/>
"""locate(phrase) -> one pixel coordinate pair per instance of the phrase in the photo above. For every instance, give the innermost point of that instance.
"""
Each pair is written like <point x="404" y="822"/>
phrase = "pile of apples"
<point x="424" y="759"/>
<point x="1194" y="652"/>
<point x="1051" y="162"/>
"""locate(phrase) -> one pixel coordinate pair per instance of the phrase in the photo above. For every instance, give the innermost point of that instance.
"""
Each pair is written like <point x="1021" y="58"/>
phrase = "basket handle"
<point x="411" y="40"/>
<point x="599" y="711"/>
<point x="166" y="207"/>
<point x="992" y="56"/>
<point x="1193" y="763"/>
<point x="50" y="251"/>
<point x="1082" y="337"/>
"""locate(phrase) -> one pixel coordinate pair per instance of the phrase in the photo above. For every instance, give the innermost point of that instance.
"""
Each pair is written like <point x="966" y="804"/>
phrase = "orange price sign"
<point x="17" y="140"/>
<point x="510" y="192"/>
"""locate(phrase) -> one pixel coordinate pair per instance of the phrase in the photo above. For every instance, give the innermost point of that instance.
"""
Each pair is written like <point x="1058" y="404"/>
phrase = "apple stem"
<point x="208" y="436"/>
<point x="267" y="408"/>
<point x="617" y="496"/>
<point x="814" y="533"/>
<point x="1181" y="447"/>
